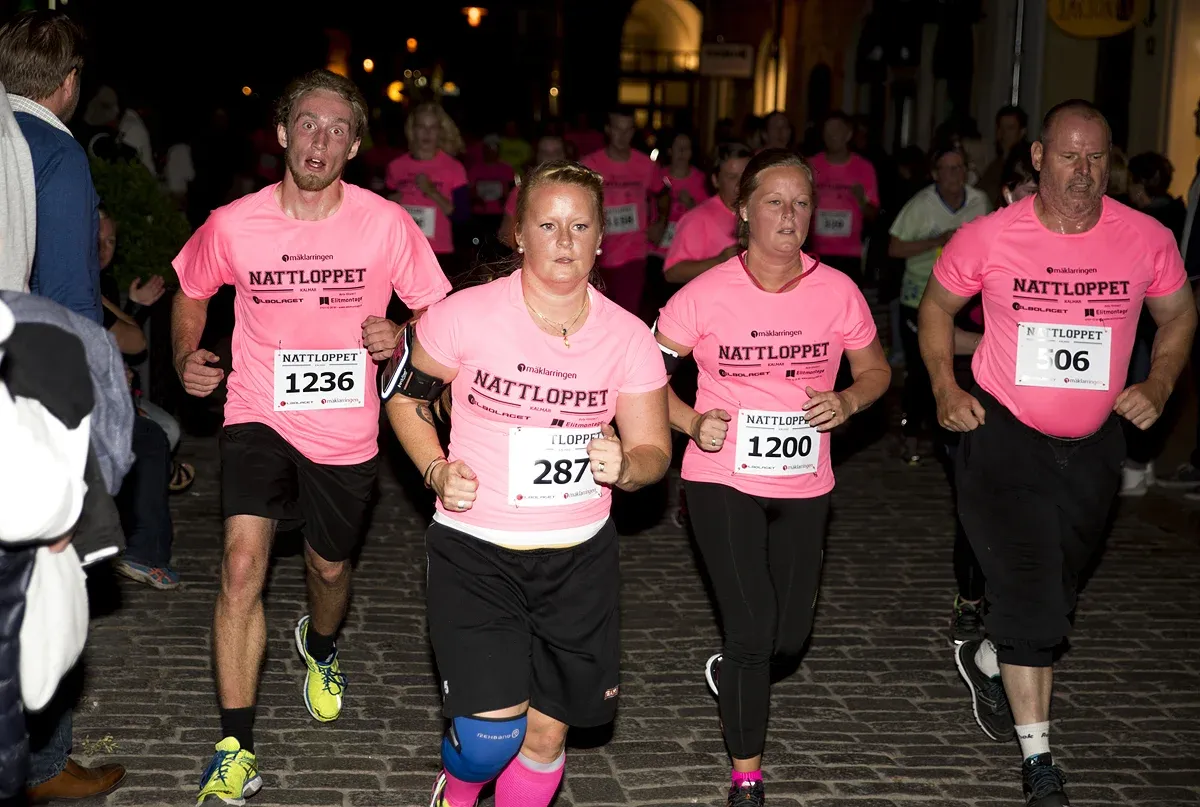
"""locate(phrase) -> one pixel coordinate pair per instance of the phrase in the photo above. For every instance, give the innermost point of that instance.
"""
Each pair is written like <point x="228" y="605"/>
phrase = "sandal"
<point x="182" y="477"/>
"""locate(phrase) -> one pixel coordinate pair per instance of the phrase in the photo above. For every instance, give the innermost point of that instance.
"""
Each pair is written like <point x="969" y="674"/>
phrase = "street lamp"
<point x="475" y="15"/>
<point x="411" y="44"/>
<point x="368" y="65"/>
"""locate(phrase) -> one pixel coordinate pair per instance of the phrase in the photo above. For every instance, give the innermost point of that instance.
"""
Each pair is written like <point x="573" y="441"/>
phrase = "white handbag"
<point x="55" y="626"/>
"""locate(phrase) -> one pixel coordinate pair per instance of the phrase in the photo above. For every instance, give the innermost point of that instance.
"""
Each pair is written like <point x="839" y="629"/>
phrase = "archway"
<point x="770" y="83"/>
<point x="660" y="57"/>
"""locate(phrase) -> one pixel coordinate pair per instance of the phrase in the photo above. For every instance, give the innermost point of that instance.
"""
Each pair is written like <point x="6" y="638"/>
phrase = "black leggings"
<point x="764" y="558"/>
<point x="916" y="401"/>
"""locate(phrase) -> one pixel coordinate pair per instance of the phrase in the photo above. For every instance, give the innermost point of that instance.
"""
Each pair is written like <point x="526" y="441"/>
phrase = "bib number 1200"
<point x="785" y="448"/>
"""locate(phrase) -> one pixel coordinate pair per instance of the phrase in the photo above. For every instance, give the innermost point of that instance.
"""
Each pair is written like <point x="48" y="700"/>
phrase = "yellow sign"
<point x="1096" y="19"/>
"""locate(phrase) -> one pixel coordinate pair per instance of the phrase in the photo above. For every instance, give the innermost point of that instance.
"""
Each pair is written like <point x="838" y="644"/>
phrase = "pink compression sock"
<point x="525" y="783"/>
<point x="461" y="794"/>
<point x="740" y="778"/>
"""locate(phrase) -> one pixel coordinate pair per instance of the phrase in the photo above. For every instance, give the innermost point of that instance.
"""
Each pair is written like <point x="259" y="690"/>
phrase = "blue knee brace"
<point x="477" y="749"/>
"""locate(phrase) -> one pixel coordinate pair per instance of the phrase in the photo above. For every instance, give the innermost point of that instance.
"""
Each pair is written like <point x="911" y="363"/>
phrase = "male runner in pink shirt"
<point x="314" y="262"/>
<point x="1063" y="276"/>
<point x="630" y="180"/>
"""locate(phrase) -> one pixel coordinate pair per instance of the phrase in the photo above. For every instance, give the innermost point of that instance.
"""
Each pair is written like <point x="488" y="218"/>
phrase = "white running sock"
<point x="1034" y="739"/>
<point x="985" y="659"/>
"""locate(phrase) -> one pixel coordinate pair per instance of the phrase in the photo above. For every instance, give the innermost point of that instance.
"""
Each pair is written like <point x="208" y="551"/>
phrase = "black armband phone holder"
<point x="400" y="376"/>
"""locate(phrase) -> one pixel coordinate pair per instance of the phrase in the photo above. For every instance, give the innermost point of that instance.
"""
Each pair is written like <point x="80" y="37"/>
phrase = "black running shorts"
<point x="539" y="625"/>
<point x="1035" y="509"/>
<point x="263" y="475"/>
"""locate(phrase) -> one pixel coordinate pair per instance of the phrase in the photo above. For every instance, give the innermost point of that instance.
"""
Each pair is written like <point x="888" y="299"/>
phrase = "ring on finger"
<point x="461" y="504"/>
<point x="600" y="466"/>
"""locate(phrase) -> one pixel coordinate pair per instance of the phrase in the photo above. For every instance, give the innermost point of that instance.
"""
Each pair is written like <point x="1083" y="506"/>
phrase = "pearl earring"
<point x="599" y="251"/>
<point x="521" y="249"/>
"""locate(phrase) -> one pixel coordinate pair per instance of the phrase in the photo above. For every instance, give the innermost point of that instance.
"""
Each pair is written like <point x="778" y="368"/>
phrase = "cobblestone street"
<point x="875" y="716"/>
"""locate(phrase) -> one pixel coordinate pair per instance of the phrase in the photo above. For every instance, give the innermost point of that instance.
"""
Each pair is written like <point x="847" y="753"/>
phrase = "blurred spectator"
<point x="41" y="54"/>
<point x="1150" y="176"/>
<point x="1012" y="126"/>
<point x="1118" y="176"/>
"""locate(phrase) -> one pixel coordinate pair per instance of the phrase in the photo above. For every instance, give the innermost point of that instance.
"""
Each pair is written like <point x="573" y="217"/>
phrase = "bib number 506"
<point x="329" y="382"/>
<point x="563" y="471"/>
<point x="1062" y="359"/>
<point x="787" y="448"/>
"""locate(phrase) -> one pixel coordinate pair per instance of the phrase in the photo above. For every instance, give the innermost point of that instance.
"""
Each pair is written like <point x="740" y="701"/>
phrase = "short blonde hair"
<point x="330" y="82"/>
<point x="562" y="172"/>
<point x="449" y="138"/>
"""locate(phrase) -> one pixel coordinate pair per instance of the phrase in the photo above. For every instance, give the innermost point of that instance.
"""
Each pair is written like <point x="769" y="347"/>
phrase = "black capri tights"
<point x="764" y="558"/>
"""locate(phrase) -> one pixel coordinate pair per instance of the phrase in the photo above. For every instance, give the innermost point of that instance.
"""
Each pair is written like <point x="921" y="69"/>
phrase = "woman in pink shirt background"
<point x="685" y="187"/>
<point x="523" y="577"/>
<point x="847" y="198"/>
<point x="768" y="330"/>
<point x="706" y="235"/>
<point x="430" y="183"/>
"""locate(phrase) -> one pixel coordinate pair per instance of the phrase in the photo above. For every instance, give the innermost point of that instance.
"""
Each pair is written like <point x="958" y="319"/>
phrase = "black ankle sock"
<point x="239" y="724"/>
<point x="318" y="646"/>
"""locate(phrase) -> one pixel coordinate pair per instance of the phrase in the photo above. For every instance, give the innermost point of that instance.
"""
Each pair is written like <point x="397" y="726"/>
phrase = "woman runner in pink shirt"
<point x="429" y="183"/>
<point x="768" y="329"/>
<point x="685" y="186"/>
<point x="523" y="577"/>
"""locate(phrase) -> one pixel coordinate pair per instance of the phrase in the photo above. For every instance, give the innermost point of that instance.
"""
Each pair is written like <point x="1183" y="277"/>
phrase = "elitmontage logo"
<point x="527" y="368"/>
<point x="303" y="257"/>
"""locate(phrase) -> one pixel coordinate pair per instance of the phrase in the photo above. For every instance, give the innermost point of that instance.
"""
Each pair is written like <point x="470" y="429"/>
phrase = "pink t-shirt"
<point x="696" y="184"/>
<point x="529" y="378"/>
<point x="759" y="350"/>
<point x="627" y="189"/>
<point x="489" y="182"/>
<point x="704" y="232"/>
<point x="447" y="176"/>
<point x="308" y="286"/>
<point x="837" y="223"/>
<point x="1061" y="310"/>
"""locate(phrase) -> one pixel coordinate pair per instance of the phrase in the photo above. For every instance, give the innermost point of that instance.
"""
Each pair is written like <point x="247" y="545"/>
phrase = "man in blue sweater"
<point x="40" y="60"/>
<point x="41" y="54"/>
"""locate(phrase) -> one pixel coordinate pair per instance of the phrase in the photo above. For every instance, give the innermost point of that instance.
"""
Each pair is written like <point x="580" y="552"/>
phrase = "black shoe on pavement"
<point x="988" y="699"/>
<point x="1043" y="782"/>
<point x="750" y="794"/>
<point x="967" y="623"/>
<point x="712" y="674"/>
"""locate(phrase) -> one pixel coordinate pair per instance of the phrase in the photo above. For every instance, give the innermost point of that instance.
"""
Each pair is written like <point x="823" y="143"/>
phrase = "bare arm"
<point x="188" y="317"/>
<point x="935" y="332"/>
<point x="412" y="419"/>
<point x="899" y="248"/>
<point x="1175" y="315"/>
<point x="871" y="373"/>
<point x="683" y="418"/>
<point x="130" y="339"/>
<point x="684" y="271"/>
<point x="645" y="438"/>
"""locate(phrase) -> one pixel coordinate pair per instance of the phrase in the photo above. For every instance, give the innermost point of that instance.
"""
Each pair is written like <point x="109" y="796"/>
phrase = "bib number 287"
<point x="549" y="467"/>
<point x="560" y="472"/>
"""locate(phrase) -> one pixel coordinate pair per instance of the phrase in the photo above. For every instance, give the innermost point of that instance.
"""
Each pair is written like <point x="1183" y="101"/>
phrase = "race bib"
<point x="668" y="235"/>
<point x="425" y="218"/>
<point x="621" y="219"/>
<point x="1063" y="356"/>
<point x="489" y="190"/>
<point x="775" y="444"/>
<point x="834" y="223"/>
<point x="549" y="467"/>
<point x="320" y="379"/>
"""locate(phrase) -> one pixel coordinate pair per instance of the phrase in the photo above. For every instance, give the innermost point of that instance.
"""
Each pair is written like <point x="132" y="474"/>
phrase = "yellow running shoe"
<point x="232" y="776"/>
<point x="324" y="683"/>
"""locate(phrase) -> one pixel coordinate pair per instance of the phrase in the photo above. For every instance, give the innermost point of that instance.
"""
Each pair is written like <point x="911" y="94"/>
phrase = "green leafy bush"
<point x="150" y="230"/>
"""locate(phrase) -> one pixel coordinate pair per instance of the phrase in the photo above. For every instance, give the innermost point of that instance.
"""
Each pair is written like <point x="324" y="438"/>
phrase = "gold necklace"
<point x="559" y="325"/>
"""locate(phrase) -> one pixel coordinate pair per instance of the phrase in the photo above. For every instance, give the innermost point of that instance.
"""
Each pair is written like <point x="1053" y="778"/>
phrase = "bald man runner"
<point x="1063" y="275"/>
